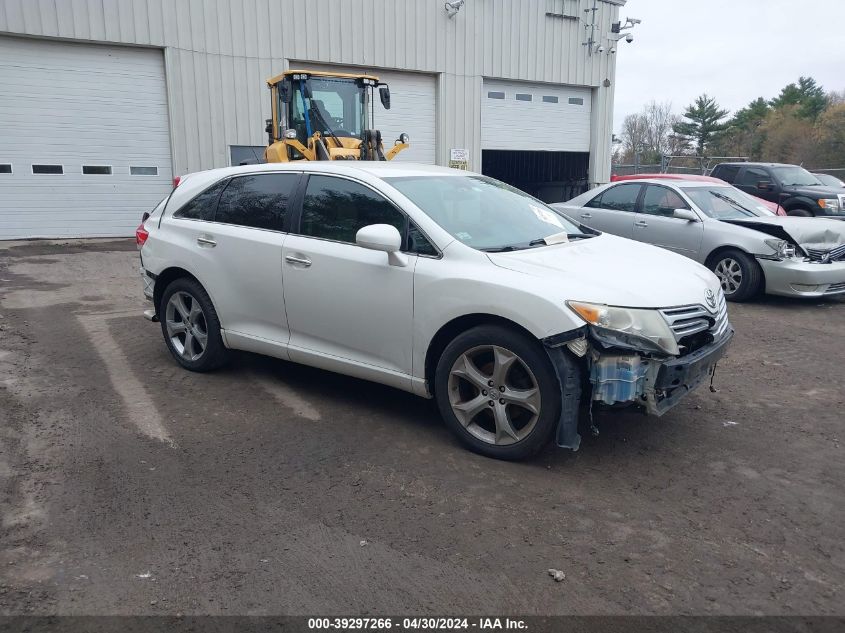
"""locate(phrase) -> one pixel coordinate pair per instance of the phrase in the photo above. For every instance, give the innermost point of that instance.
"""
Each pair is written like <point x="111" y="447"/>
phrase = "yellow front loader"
<point x="326" y="116"/>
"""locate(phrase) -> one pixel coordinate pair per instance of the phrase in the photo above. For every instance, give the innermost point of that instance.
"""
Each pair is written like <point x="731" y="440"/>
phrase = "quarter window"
<point x="662" y="201"/>
<point x="417" y="242"/>
<point x="618" y="198"/>
<point x="203" y="206"/>
<point x="258" y="201"/>
<point x="336" y="209"/>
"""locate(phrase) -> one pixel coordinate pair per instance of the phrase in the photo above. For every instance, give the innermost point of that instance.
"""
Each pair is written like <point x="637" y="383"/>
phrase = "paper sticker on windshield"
<point x="464" y="237"/>
<point x="547" y="216"/>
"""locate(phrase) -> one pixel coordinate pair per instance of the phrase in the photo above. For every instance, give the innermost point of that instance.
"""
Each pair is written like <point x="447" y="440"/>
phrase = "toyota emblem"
<point x="710" y="298"/>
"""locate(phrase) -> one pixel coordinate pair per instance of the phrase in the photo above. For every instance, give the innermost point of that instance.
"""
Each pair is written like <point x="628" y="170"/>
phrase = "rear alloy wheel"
<point x="739" y="275"/>
<point x="190" y="326"/>
<point x="498" y="392"/>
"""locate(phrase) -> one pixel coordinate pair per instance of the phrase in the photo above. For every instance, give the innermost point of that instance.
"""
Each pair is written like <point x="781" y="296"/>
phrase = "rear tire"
<point x="498" y="392"/>
<point x="190" y="326"/>
<point x="739" y="275"/>
<point x="800" y="213"/>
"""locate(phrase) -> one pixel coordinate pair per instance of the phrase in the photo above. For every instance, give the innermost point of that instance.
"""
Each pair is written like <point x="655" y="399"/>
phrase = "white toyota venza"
<point x="444" y="283"/>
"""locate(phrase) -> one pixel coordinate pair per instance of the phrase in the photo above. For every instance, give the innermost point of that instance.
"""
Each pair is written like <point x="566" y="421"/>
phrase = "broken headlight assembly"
<point x="643" y="330"/>
<point x="782" y="248"/>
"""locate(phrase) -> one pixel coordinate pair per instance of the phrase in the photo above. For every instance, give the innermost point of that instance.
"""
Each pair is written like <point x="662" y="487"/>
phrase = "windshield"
<point x="793" y="176"/>
<point x="726" y="203"/>
<point x="336" y="106"/>
<point x="484" y="213"/>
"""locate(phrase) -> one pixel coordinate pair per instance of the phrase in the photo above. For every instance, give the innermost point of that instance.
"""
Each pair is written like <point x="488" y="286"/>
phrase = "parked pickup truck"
<point x="798" y="191"/>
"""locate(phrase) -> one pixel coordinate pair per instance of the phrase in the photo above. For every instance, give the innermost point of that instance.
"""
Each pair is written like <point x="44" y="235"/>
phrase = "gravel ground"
<point x="130" y="486"/>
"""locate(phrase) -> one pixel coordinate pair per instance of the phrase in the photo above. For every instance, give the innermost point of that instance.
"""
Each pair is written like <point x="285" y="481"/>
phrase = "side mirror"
<point x="384" y="95"/>
<point x="764" y="185"/>
<point x="385" y="238"/>
<point x="685" y="214"/>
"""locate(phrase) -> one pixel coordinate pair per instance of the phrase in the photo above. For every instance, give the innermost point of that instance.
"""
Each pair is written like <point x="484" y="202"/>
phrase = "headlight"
<point x="829" y="204"/>
<point x="782" y="248"/>
<point x="645" y="330"/>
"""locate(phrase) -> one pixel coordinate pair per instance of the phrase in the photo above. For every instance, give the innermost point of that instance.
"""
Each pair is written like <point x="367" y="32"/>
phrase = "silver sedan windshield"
<point x="484" y="213"/>
<point x="726" y="203"/>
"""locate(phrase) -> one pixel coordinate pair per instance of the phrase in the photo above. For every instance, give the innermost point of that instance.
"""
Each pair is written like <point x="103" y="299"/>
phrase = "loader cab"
<point x="324" y="116"/>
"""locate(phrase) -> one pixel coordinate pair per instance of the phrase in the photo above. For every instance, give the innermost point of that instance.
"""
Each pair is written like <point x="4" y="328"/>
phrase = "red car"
<point x="771" y="206"/>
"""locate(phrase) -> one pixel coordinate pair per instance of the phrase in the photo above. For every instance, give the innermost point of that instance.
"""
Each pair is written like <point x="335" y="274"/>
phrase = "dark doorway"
<point x="549" y="176"/>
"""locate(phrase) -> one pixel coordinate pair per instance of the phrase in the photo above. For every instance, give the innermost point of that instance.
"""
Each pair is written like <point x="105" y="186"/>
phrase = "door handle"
<point x="206" y="241"/>
<point x="586" y="215"/>
<point x="302" y="261"/>
<point x="641" y="223"/>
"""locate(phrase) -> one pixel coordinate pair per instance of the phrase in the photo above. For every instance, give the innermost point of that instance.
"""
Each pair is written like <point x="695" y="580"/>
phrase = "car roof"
<point x="380" y="169"/>
<point x="677" y="182"/>
<point x="741" y="164"/>
<point x="666" y="177"/>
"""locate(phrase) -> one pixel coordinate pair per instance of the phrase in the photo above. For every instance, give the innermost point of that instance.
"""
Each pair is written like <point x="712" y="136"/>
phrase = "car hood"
<point x="614" y="271"/>
<point x="814" y="191"/>
<point x="815" y="233"/>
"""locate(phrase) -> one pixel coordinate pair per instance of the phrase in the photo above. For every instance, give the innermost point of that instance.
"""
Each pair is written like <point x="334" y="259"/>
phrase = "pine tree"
<point x="704" y="122"/>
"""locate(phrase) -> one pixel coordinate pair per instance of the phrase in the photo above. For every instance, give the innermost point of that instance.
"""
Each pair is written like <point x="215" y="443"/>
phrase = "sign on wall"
<point x="459" y="158"/>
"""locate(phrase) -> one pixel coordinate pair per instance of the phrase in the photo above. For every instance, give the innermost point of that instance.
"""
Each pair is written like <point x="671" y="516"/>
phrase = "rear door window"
<point x="259" y="201"/>
<point x="728" y="173"/>
<point x="620" y="198"/>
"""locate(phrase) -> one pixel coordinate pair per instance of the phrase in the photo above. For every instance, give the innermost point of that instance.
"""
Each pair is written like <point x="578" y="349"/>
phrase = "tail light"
<point x="141" y="235"/>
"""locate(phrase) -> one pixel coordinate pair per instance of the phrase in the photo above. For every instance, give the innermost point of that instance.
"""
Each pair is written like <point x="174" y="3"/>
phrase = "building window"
<point x="5" y="168"/>
<point x="548" y="99"/>
<point x="495" y="95"/>
<point x="96" y="170"/>
<point x="523" y="97"/>
<point x="53" y="170"/>
<point x="143" y="171"/>
<point x="576" y="101"/>
<point x="246" y="154"/>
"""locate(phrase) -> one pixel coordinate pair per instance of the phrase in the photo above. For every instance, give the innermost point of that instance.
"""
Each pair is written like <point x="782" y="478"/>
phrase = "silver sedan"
<point x="748" y="247"/>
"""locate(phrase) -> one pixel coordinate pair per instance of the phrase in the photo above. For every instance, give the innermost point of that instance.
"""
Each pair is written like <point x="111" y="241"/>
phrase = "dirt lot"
<point x="128" y="485"/>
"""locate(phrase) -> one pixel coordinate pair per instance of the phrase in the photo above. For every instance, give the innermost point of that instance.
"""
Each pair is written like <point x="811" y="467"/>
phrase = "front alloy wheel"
<point x="494" y="395"/>
<point x="498" y="392"/>
<point x="729" y="273"/>
<point x="739" y="274"/>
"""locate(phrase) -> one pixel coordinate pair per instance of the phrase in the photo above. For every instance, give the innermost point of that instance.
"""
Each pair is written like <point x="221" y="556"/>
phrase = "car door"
<point x="749" y="180"/>
<point x="612" y="211"/>
<point x="238" y="255"/>
<point x="655" y="222"/>
<point x="348" y="309"/>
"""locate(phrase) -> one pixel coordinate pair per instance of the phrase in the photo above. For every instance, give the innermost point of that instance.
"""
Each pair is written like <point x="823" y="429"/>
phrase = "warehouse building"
<point x="104" y="101"/>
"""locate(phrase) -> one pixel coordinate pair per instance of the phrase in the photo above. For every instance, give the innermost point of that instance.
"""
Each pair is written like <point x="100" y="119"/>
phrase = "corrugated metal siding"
<point x="220" y="51"/>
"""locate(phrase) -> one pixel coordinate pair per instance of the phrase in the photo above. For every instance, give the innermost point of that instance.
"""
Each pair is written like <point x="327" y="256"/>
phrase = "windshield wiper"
<point x="569" y="236"/>
<point x="501" y="249"/>
<point x="732" y="202"/>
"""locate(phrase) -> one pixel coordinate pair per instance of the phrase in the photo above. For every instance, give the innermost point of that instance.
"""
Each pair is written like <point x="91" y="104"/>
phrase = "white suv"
<point x="440" y="282"/>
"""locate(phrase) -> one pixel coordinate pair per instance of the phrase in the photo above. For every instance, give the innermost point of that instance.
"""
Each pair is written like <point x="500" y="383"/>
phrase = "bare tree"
<point x="650" y="133"/>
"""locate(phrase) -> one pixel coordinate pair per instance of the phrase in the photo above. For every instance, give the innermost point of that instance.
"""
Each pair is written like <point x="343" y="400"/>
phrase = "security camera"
<point x="453" y="7"/>
<point x="612" y="51"/>
<point x="634" y="20"/>
<point x="629" y="38"/>
<point x="600" y="49"/>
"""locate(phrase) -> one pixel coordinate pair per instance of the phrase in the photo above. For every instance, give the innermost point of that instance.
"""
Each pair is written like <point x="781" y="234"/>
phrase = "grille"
<point x="833" y="255"/>
<point x="835" y="288"/>
<point x="686" y="321"/>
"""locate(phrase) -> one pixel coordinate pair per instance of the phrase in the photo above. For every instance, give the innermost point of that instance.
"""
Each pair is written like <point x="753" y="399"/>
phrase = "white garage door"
<point x="541" y="117"/>
<point x="412" y="101"/>
<point x="84" y="139"/>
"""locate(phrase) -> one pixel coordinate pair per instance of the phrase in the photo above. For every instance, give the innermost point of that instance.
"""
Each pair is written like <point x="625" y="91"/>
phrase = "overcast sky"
<point x="734" y="50"/>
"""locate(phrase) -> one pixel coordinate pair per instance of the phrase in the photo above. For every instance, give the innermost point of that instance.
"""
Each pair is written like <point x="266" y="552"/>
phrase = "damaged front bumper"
<point x="656" y="384"/>
<point x="793" y="278"/>
<point x="619" y="376"/>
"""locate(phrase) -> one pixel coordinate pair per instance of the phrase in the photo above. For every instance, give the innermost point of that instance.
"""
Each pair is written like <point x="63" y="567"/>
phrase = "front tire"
<point x="800" y="213"/>
<point x="498" y="392"/>
<point x="739" y="275"/>
<point x="190" y="326"/>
